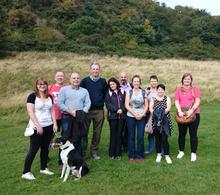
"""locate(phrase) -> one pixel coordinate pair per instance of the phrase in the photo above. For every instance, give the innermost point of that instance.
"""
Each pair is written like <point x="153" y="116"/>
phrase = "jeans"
<point x="150" y="146"/>
<point x="133" y="125"/>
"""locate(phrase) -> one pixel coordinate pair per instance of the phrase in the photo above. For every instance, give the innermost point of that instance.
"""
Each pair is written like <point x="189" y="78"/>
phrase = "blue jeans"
<point x="65" y="122"/>
<point x="134" y="124"/>
<point x="150" y="146"/>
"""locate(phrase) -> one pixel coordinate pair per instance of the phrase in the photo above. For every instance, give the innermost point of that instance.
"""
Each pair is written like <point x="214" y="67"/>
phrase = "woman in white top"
<point x="42" y="115"/>
<point x="136" y="104"/>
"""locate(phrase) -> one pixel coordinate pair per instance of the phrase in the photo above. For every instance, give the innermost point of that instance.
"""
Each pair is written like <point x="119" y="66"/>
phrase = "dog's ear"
<point x="60" y="139"/>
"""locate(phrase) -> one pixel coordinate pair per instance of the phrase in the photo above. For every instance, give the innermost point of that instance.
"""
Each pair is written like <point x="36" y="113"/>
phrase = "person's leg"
<point x="165" y="143"/>
<point x="140" y="138"/>
<point x="193" y="128"/>
<point x="97" y="129"/>
<point x="182" y="135"/>
<point x="35" y="142"/>
<point x="125" y="137"/>
<point x="120" y="126"/>
<point x="46" y="138"/>
<point x="131" y="122"/>
<point x="158" y="141"/>
<point x="113" y="130"/>
<point x="88" y="120"/>
<point x="150" y="146"/>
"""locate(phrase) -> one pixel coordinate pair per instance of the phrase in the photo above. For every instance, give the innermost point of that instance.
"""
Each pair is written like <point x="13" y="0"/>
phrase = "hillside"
<point x="19" y="72"/>
<point x="140" y="28"/>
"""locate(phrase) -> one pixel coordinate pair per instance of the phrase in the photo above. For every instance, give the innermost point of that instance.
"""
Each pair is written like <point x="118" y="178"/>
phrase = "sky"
<point x="211" y="6"/>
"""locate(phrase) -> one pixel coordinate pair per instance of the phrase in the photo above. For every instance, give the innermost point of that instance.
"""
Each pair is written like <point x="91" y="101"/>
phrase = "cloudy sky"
<point x="211" y="6"/>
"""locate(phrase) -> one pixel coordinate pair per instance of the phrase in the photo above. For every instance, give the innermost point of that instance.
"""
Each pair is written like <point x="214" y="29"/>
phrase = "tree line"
<point x="141" y="28"/>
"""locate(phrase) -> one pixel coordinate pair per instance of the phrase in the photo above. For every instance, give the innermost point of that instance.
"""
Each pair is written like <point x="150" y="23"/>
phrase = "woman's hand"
<point x="139" y="116"/>
<point x="189" y="113"/>
<point x="39" y="130"/>
<point x="119" y="111"/>
<point x="181" y="114"/>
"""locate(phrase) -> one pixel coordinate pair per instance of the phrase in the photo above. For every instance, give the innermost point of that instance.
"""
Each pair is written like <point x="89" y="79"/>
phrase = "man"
<point x="72" y="99"/>
<point x="54" y="92"/>
<point x="97" y="88"/>
<point x="125" y="88"/>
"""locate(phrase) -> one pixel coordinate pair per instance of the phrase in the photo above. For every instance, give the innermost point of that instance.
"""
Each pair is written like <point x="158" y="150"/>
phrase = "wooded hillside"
<point x="141" y="28"/>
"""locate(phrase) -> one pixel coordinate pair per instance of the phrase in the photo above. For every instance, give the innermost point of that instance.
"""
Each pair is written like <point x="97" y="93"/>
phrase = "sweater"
<point x="97" y="90"/>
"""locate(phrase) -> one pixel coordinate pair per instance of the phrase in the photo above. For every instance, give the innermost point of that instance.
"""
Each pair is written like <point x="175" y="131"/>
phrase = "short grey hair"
<point x="95" y="63"/>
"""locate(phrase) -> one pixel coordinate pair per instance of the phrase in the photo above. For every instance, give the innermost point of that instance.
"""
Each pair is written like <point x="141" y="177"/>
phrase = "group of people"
<point x="71" y="109"/>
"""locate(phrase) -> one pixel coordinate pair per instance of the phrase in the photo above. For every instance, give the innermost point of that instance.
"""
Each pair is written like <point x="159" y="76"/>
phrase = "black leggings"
<point x="39" y="141"/>
<point x="193" y="127"/>
<point x="161" y="141"/>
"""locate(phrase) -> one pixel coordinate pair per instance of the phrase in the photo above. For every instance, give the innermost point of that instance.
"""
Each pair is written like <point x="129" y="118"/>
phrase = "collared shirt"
<point x="71" y="98"/>
<point x="125" y="88"/>
<point x="94" y="78"/>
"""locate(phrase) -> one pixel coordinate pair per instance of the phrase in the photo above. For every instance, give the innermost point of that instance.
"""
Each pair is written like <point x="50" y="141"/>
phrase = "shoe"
<point x="130" y="160"/>
<point x="117" y="158"/>
<point x="46" y="172"/>
<point x="180" y="155"/>
<point x="168" y="159"/>
<point x="158" y="159"/>
<point x="95" y="157"/>
<point x="141" y="160"/>
<point x="28" y="176"/>
<point x="193" y="157"/>
<point x="111" y="157"/>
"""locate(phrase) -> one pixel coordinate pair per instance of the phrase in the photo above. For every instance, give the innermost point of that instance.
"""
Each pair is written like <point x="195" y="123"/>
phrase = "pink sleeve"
<point x="197" y="92"/>
<point x="177" y="94"/>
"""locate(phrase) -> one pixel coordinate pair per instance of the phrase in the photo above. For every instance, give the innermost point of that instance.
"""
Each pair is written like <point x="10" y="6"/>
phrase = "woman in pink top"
<point x="188" y="96"/>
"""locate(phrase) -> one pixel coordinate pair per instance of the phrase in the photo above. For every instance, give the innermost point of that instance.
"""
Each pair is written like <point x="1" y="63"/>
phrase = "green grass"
<point x="116" y="177"/>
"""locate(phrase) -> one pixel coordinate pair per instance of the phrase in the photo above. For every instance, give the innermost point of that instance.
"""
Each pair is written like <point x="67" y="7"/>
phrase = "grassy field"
<point x="116" y="177"/>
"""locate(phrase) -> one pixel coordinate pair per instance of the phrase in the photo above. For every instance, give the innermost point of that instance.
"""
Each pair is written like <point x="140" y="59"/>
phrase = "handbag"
<point x="185" y="120"/>
<point x="148" y="127"/>
<point x="30" y="129"/>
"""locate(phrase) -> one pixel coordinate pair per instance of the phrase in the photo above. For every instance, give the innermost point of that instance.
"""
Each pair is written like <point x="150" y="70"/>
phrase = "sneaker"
<point x="111" y="157"/>
<point x="28" y="176"/>
<point x="158" y="159"/>
<point x="130" y="160"/>
<point x="117" y="158"/>
<point x="95" y="157"/>
<point x="168" y="159"/>
<point x="180" y="154"/>
<point x="193" y="157"/>
<point x="46" y="172"/>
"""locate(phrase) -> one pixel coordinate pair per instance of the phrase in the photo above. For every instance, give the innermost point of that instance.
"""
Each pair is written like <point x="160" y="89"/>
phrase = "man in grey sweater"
<point x="72" y="98"/>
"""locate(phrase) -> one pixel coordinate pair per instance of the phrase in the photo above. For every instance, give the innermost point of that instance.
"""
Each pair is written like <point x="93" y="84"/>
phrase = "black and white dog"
<point x="72" y="162"/>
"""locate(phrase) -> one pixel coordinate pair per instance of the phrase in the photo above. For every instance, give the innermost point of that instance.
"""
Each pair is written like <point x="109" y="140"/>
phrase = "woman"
<point x="152" y="93"/>
<point x="41" y="113"/>
<point x="136" y="104"/>
<point x="162" y="127"/>
<point x="188" y="96"/>
<point x="115" y="103"/>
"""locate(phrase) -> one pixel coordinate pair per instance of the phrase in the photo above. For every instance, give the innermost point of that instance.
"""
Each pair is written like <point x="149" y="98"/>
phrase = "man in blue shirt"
<point x="97" y="88"/>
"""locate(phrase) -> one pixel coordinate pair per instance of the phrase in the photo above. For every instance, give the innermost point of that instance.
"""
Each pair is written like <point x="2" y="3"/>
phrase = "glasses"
<point x="41" y="85"/>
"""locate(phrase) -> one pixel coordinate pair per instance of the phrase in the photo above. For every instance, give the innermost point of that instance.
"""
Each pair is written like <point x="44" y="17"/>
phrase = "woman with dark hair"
<point x="114" y="101"/>
<point x="161" y="121"/>
<point x="42" y="115"/>
<point x="136" y="104"/>
<point x="189" y="96"/>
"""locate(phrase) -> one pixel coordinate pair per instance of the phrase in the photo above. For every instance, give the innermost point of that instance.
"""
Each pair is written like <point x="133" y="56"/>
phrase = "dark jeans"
<point x="134" y="124"/>
<point x="97" y="117"/>
<point x="193" y="127"/>
<point x="39" y="141"/>
<point x="124" y="138"/>
<point x="116" y="127"/>
<point x="161" y="142"/>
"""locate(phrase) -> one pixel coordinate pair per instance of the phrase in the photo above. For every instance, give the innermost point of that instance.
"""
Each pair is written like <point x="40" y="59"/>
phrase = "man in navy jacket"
<point x="97" y="88"/>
